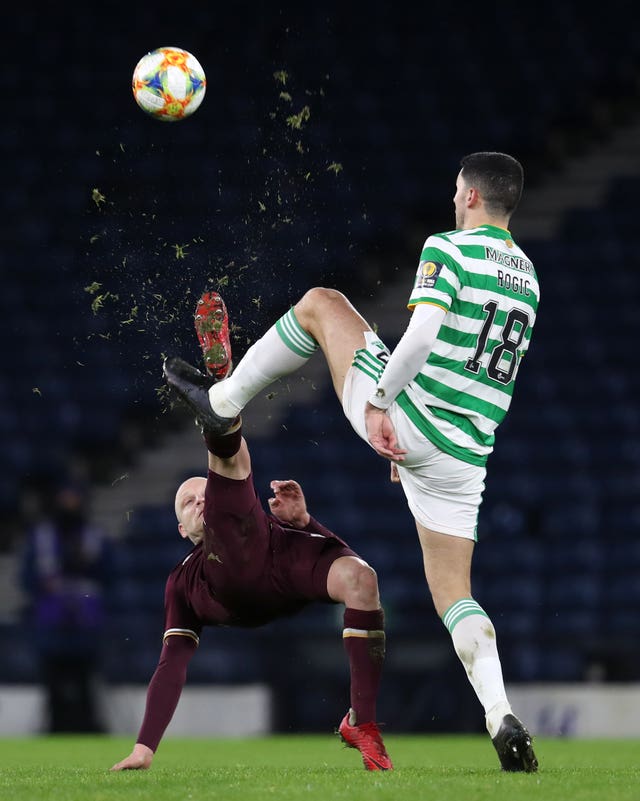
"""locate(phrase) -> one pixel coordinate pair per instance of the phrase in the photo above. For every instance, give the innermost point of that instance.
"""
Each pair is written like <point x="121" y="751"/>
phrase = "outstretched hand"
<point x="288" y="503"/>
<point x="382" y="434"/>
<point x="139" y="759"/>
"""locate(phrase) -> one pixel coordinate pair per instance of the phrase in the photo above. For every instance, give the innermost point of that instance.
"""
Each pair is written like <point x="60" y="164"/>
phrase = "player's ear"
<point x="473" y="196"/>
<point x="182" y="531"/>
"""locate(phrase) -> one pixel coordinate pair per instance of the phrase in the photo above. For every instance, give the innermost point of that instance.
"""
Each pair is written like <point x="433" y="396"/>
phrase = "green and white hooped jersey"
<point x="490" y="292"/>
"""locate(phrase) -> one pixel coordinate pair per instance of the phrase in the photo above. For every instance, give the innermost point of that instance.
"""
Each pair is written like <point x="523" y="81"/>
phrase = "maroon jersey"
<point x="249" y="568"/>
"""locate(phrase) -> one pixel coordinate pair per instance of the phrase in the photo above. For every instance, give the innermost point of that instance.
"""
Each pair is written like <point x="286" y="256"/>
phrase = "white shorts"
<point x="443" y="493"/>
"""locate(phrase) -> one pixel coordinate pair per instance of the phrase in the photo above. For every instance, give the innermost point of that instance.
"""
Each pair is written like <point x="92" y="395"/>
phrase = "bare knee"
<point x="354" y="582"/>
<point x="317" y="304"/>
<point x="337" y="327"/>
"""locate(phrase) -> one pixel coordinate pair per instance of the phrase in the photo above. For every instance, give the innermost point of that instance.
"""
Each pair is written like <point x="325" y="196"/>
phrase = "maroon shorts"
<point x="258" y="568"/>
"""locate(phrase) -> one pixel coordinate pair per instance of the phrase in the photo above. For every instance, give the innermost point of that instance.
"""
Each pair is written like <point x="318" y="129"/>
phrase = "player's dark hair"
<point x="498" y="177"/>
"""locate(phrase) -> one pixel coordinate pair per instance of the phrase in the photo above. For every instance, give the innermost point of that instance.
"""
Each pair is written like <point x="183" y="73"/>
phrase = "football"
<point x="169" y="83"/>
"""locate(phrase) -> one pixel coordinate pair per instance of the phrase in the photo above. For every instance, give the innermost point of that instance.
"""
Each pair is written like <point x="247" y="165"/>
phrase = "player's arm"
<point x="403" y="365"/>
<point x="409" y="355"/>
<point x="163" y="695"/>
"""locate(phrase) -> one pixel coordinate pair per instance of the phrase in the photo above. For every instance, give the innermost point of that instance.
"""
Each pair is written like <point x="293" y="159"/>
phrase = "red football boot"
<point x="368" y="740"/>
<point x="212" y="328"/>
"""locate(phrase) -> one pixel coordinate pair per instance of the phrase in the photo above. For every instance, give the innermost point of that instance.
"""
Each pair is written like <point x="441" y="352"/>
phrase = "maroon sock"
<point x="364" y="642"/>
<point x="223" y="445"/>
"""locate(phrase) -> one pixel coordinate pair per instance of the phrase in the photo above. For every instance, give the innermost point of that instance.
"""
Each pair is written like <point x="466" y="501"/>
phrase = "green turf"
<point x="432" y="768"/>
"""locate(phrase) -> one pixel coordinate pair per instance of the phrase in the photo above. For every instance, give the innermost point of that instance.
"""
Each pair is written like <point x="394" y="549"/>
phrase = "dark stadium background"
<point x="113" y="223"/>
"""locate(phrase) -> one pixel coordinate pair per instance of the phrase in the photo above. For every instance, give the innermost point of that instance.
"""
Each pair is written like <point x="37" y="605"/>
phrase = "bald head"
<point x="189" y="507"/>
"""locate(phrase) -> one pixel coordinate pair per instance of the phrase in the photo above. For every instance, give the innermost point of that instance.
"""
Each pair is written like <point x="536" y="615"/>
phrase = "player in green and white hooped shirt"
<point x="432" y="406"/>
<point x="489" y="291"/>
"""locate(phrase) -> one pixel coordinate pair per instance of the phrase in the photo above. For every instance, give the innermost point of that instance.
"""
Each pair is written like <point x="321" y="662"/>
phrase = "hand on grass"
<point x="139" y="759"/>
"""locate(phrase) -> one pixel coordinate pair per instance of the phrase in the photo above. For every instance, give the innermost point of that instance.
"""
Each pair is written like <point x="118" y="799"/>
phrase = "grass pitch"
<point x="291" y="768"/>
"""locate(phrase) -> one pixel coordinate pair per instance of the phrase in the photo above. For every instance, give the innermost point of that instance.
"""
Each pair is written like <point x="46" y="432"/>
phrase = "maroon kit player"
<point x="248" y="567"/>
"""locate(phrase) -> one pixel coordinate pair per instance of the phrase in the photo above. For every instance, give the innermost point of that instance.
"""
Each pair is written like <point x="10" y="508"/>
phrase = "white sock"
<point x="474" y="639"/>
<point x="284" y="348"/>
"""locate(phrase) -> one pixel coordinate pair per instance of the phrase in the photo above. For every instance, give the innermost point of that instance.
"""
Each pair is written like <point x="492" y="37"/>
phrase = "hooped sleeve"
<point x="409" y="355"/>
